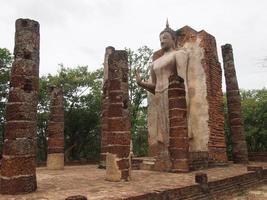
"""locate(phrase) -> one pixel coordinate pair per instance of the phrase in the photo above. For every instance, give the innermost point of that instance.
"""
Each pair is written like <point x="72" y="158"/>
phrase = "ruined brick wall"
<point x="179" y="144"/>
<point x="55" y="130"/>
<point x="213" y="76"/>
<point x="257" y="156"/>
<point x="240" y="152"/>
<point x="18" y="169"/>
<point x="118" y="130"/>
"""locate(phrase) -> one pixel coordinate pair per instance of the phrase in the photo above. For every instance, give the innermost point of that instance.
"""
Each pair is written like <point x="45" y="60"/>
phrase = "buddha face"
<point x="166" y="41"/>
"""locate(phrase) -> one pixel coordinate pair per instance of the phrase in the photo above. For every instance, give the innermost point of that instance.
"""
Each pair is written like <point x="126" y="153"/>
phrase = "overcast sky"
<point x="76" y="32"/>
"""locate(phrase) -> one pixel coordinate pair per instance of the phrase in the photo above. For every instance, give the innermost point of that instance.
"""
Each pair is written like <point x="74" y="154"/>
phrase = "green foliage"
<point x="254" y="107"/>
<point x="82" y="93"/>
<point x="138" y="98"/>
<point x="5" y="65"/>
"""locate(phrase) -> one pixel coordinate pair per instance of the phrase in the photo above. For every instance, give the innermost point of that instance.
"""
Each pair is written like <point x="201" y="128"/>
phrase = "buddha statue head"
<point x="167" y="38"/>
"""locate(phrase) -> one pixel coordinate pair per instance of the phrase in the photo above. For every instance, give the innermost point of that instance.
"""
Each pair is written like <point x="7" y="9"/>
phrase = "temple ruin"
<point x="116" y="127"/>
<point x="240" y="152"/>
<point x="18" y="168"/>
<point x="55" y="130"/>
<point x="204" y="100"/>
<point x="190" y="100"/>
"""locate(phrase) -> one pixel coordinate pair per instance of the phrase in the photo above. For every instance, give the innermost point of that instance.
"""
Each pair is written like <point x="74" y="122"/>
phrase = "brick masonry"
<point x="213" y="74"/>
<point x="257" y="156"/>
<point x="18" y="169"/>
<point x="104" y="109"/>
<point x="179" y="143"/>
<point x="116" y="127"/>
<point x="218" y="189"/>
<point x="55" y="130"/>
<point x="240" y="152"/>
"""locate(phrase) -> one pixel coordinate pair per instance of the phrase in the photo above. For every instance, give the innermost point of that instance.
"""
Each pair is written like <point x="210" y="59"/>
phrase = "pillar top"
<point x="27" y="23"/>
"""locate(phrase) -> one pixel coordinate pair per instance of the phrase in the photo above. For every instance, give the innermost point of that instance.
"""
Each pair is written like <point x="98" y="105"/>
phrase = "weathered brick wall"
<point x="118" y="135"/>
<point x="198" y="160"/>
<point x="178" y="144"/>
<point x="218" y="189"/>
<point x="257" y="156"/>
<point x="240" y="152"/>
<point x="18" y="169"/>
<point x="213" y="76"/>
<point x="55" y="130"/>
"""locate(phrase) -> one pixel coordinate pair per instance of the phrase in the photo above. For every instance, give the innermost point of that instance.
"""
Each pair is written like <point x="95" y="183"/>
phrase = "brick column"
<point x="240" y="153"/>
<point x="179" y="144"/>
<point x="118" y="119"/>
<point x="18" y="169"/>
<point x="55" y="130"/>
<point x="104" y="110"/>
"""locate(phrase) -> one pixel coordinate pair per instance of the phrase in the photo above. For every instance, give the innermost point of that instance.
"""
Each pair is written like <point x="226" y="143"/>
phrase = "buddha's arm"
<point x="149" y="86"/>
<point x="181" y="58"/>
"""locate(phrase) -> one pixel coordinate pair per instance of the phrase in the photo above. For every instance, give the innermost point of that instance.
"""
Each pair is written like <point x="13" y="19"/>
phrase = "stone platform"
<point x="89" y="181"/>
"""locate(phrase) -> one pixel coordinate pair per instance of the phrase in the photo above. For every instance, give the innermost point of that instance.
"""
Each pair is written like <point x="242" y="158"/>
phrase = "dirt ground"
<point x="258" y="193"/>
<point x="90" y="181"/>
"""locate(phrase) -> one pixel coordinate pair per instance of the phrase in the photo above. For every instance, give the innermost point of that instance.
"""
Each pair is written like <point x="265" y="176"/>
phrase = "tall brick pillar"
<point x="104" y="109"/>
<point x="179" y="143"/>
<point x="118" y="133"/>
<point x="55" y="156"/>
<point x="240" y="152"/>
<point x="18" y="169"/>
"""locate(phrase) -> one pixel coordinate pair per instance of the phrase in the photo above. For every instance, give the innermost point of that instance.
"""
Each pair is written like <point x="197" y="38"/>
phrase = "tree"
<point x="138" y="98"/>
<point x="254" y="107"/>
<point x="82" y="92"/>
<point x="5" y="66"/>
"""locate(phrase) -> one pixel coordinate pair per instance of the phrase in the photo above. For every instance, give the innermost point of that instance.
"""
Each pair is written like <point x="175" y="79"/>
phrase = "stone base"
<point x="112" y="169"/>
<point x="55" y="161"/>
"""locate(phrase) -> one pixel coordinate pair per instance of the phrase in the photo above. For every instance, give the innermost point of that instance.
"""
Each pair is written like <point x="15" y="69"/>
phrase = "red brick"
<point x="115" y="110"/>
<point x="19" y="147"/>
<point x="25" y="68"/>
<point x="18" y="166"/>
<point x="177" y="153"/>
<point x="176" y="112"/>
<point x="19" y="111"/>
<point x="55" y="150"/>
<point x="178" y="132"/>
<point x="121" y="138"/>
<point x="77" y="197"/>
<point x="115" y="96"/>
<point x="176" y="92"/>
<point x="178" y="122"/>
<point x="177" y="103"/>
<point x="20" y="129"/>
<point x="123" y="164"/>
<point x="118" y="124"/>
<point x="55" y="142"/>
<point x="18" y="95"/>
<point x="28" y="84"/>
<point x="115" y="84"/>
<point x="179" y="142"/>
<point x="18" y="185"/>
<point x="121" y="151"/>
